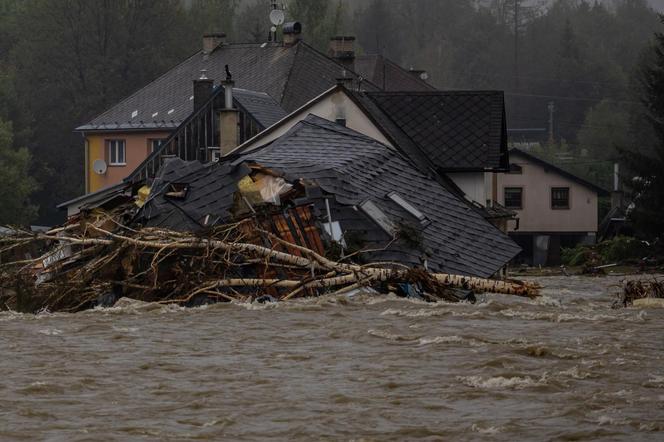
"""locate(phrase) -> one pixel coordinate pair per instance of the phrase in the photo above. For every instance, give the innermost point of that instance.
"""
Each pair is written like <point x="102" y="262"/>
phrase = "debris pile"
<point x="97" y="261"/>
<point x="635" y="290"/>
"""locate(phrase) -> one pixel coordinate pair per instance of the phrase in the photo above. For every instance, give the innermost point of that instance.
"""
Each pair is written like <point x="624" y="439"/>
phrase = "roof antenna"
<point x="229" y="77"/>
<point x="277" y="18"/>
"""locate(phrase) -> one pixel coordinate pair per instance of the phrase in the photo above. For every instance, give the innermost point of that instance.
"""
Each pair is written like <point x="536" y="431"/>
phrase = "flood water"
<point x="563" y="367"/>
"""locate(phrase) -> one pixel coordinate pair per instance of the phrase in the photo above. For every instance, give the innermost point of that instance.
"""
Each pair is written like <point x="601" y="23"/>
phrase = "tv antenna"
<point x="277" y="18"/>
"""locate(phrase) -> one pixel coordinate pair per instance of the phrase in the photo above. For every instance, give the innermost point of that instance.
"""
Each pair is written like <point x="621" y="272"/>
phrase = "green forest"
<point x="575" y="73"/>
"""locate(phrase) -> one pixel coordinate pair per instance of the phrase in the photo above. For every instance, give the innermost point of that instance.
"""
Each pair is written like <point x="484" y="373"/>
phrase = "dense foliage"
<point x="15" y="184"/>
<point x="647" y="164"/>
<point x="64" y="61"/>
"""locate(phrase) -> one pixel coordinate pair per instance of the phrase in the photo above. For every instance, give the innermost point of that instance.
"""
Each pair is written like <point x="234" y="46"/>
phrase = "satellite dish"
<point x="99" y="166"/>
<point x="277" y="17"/>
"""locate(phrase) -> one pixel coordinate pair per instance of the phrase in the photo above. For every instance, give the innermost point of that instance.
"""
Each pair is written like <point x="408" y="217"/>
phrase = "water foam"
<point x="498" y="382"/>
<point x="427" y="340"/>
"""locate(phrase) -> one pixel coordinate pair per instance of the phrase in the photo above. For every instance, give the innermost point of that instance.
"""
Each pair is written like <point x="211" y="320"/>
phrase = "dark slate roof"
<point x="211" y="187"/>
<point x="355" y="168"/>
<point x="291" y="75"/>
<point x="263" y="108"/>
<point x="452" y="130"/>
<point x="388" y="75"/>
<point x="552" y="167"/>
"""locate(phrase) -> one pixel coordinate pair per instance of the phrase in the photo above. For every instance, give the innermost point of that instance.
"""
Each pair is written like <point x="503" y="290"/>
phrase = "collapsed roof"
<point x="370" y="188"/>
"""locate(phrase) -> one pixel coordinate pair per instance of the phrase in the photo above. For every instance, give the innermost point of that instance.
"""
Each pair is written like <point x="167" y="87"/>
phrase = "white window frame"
<point x="117" y="152"/>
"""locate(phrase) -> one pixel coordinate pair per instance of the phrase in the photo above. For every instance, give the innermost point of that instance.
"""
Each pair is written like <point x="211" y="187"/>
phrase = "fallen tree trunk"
<point x="156" y="265"/>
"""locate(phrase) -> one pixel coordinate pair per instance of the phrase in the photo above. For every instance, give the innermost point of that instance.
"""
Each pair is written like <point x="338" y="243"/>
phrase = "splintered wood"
<point x="93" y="263"/>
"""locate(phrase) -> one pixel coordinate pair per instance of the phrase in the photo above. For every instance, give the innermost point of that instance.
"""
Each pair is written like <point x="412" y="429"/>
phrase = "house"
<point x="282" y="76"/>
<point x="363" y="191"/>
<point x="457" y="136"/>
<point x="554" y="207"/>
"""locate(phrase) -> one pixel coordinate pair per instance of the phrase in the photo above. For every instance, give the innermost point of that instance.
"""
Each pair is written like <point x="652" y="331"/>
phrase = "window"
<point x="408" y="207"/>
<point x="560" y="197"/>
<point x="513" y="197"/>
<point x="515" y="169"/>
<point x="116" y="152"/>
<point x="154" y="144"/>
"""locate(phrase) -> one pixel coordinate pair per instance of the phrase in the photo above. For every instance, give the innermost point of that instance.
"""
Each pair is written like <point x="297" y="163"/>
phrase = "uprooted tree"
<point x="87" y="264"/>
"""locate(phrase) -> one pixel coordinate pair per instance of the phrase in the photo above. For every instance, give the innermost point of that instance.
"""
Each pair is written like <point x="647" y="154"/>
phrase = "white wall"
<point x="473" y="184"/>
<point x="336" y="105"/>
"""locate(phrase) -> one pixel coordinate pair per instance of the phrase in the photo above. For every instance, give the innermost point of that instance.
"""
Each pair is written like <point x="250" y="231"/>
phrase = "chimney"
<point x="292" y="33"/>
<point x="228" y="120"/>
<point x="342" y="49"/>
<point x="202" y="90"/>
<point x="213" y="41"/>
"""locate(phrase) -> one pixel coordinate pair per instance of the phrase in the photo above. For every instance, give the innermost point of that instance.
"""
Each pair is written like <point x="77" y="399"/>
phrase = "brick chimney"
<point x="292" y="33"/>
<point x="228" y="120"/>
<point x="213" y="41"/>
<point x="203" y="88"/>
<point x="342" y="49"/>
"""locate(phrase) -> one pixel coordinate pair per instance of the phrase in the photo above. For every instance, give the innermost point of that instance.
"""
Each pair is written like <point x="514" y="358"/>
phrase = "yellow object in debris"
<point x="142" y="196"/>
<point x="250" y="191"/>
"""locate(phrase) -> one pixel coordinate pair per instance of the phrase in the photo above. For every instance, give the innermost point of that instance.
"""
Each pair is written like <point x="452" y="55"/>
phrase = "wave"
<point x="500" y="382"/>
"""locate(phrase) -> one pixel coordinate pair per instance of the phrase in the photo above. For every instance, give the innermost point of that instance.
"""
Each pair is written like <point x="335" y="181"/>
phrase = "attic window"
<point x="378" y="216"/>
<point x="398" y="199"/>
<point x="155" y="114"/>
<point x="134" y="114"/>
<point x="515" y="169"/>
<point x="171" y="111"/>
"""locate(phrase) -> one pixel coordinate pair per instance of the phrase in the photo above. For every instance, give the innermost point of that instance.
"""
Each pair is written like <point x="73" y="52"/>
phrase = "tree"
<point x="74" y="58"/>
<point x="16" y="186"/>
<point x="648" y="166"/>
<point x="321" y="19"/>
<point x="253" y="23"/>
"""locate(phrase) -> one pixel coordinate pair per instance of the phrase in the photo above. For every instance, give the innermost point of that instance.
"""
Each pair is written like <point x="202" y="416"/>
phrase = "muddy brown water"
<point x="563" y="367"/>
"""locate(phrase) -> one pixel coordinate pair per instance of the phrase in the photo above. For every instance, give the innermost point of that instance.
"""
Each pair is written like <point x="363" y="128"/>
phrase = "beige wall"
<point x="337" y="105"/>
<point x="537" y="214"/>
<point x="137" y="149"/>
<point x="476" y="185"/>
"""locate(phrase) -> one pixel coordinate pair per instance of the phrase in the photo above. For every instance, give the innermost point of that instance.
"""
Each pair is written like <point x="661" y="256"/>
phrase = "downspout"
<point x="86" y="148"/>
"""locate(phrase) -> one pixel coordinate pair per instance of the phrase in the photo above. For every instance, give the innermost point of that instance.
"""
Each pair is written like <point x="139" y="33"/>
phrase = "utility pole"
<point x="552" y="109"/>
<point x="516" y="45"/>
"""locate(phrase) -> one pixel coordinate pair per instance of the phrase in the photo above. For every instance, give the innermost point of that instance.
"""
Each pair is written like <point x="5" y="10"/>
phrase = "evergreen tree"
<point x="17" y="186"/>
<point x="648" y="166"/>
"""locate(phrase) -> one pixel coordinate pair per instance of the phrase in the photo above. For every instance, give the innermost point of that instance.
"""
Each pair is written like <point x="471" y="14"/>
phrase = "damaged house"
<point x="323" y="183"/>
<point x="405" y="178"/>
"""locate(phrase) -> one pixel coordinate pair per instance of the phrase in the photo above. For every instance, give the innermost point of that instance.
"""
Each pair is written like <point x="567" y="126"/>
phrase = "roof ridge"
<point x="439" y="92"/>
<point x="408" y="72"/>
<point x="308" y="46"/>
<point x="560" y="170"/>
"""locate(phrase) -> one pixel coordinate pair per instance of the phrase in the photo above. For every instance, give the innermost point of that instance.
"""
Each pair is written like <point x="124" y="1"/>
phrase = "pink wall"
<point x="537" y="214"/>
<point x="137" y="149"/>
